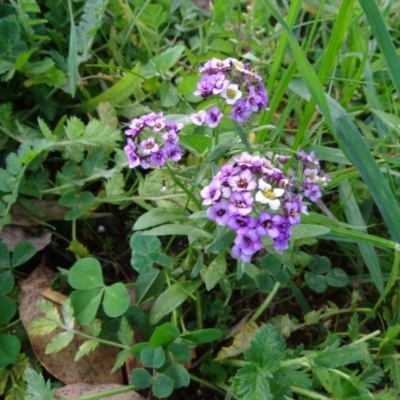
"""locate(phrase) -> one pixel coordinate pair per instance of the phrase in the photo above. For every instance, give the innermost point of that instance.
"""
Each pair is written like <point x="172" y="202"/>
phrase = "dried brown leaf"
<point x="11" y="235"/>
<point x="71" y="392"/>
<point x="93" y="369"/>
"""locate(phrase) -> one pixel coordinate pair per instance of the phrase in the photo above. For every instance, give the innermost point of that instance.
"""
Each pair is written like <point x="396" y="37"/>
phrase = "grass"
<point x="331" y="72"/>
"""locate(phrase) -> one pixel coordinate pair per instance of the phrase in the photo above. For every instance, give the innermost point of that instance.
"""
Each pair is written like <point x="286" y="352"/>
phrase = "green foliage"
<point x="38" y="388"/>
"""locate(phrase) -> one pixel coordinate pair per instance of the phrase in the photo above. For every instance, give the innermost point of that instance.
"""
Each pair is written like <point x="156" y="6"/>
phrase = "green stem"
<point x="206" y="383"/>
<point x="103" y="341"/>
<point x="108" y="393"/>
<point x="199" y="312"/>
<point x="266" y="303"/>
<point x="309" y="393"/>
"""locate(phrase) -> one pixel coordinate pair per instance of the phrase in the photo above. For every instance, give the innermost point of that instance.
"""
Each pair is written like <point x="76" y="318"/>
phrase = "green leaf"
<point x="203" y="335"/>
<point x="388" y="49"/>
<point x="168" y="58"/>
<point x="169" y="96"/>
<point x="8" y="309"/>
<point x="23" y="252"/>
<point x="164" y="334"/>
<point x="304" y="231"/>
<point x="85" y="348"/>
<point x="222" y="242"/>
<point x="59" y="342"/>
<point x="320" y="265"/>
<point x="7" y="282"/>
<point x="10" y="347"/>
<point x="142" y="247"/>
<point x="4" y="256"/>
<point x="163" y="386"/>
<point x="42" y="326"/>
<point x="270" y="263"/>
<point x="252" y="383"/>
<point x="86" y="273"/>
<point x="177" y="229"/>
<point x="337" y="277"/>
<point x="172" y="298"/>
<point x="214" y="272"/>
<point x="116" y="300"/>
<point x="86" y="304"/>
<point x="195" y="143"/>
<point x="125" y="333"/>
<point x="37" y="387"/>
<point x="72" y="54"/>
<point x="140" y="378"/>
<point x="114" y="186"/>
<point x="149" y="284"/>
<point x="315" y="282"/>
<point x="241" y="133"/>
<point x="157" y="216"/>
<point x="122" y="357"/>
<point x="354" y="327"/>
<point x="95" y="161"/>
<point x="117" y="93"/>
<point x="179" y="375"/>
<point x="180" y="352"/>
<point x="152" y="358"/>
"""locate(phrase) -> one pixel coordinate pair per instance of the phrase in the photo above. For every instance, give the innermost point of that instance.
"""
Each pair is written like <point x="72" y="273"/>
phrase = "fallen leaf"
<point x="71" y="392"/>
<point x="240" y="344"/>
<point x="94" y="368"/>
<point x="11" y="235"/>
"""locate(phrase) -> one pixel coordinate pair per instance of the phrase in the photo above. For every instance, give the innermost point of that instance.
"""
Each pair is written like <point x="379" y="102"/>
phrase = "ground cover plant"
<point x="199" y="203"/>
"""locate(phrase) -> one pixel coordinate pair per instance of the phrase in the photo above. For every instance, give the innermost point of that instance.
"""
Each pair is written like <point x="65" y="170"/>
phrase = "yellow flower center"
<point x="231" y="93"/>
<point x="269" y="194"/>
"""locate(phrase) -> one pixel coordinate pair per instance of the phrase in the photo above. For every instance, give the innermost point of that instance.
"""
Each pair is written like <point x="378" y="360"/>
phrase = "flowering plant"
<point x="250" y="195"/>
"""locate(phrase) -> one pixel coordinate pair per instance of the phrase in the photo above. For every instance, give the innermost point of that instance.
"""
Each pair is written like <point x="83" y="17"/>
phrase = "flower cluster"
<point x="236" y="84"/>
<point x="151" y="140"/>
<point x="253" y="197"/>
<point x="314" y="178"/>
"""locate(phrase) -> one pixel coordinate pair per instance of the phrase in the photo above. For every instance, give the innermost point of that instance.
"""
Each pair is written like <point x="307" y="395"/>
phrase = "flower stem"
<point x="266" y="303"/>
<point x="108" y="393"/>
<point x="309" y="393"/>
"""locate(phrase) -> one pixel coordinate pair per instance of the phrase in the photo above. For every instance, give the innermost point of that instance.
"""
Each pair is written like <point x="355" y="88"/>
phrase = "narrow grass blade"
<point x="72" y="54"/>
<point x="385" y="42"/>
<point x="305" y="68"/>
<point x="367" y="251"/>
<point x="353" y="145"/>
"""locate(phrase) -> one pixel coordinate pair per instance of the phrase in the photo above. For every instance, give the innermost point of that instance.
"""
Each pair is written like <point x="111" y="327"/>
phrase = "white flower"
<point x="231" y="93"/>
<point x="269" y="195"/>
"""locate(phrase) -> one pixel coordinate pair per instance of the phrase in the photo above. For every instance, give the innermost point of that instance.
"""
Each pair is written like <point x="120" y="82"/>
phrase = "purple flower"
<point x="211" y="193"/>
<point x="220" y="82"/>
<point x="282" y="241"/>
<point x="170" y="138"/>
<point x="241" y="223"/>
<point x="219" y="213"/>
<point x="174" y="152"/>
<point x="313" y="192"/>
<point x="241" y="203"/>
<point x="227" y="171"/>
<point x="269" y="224"/>
<point x="249" y="243"/>
<point x="253" y="100"/>
<point x="262" y="92"/>
<point x="136" y="126"/>
<point x="213" y="117"/>
<point x="214" y="65"/>
<point x="173" y="127"/>
<point x="291" y="211"/>
<point x="205" y="86"/>
<point x="311" y="175"/>
<point x="158" y="157"/>
<point x="149" y="146"/>
<point x="133" y="157"/>
<point x="199" y="117"/>
<point x="240" y="111"/>
<point x="238" y="253"/>
<point x="242" y="182"/>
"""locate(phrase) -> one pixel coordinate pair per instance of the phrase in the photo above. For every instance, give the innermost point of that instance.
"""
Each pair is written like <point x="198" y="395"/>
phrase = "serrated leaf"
<point x="85" y="348"/>
<point x="94" y="161"/>
<point x="37" y="387"/>
<point x="78" y="249"/>
<point x="108" y="114"/>
<point x="251" y="383"/>
<point x="68" y="315"/>
<point x="42" y="326"/>
<point x="392" y="365"/>
<point x="125" y="332"/>
<point x="122" y="356"/>
<point x="59" y="341"/>
<point x="114" y="186"/>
